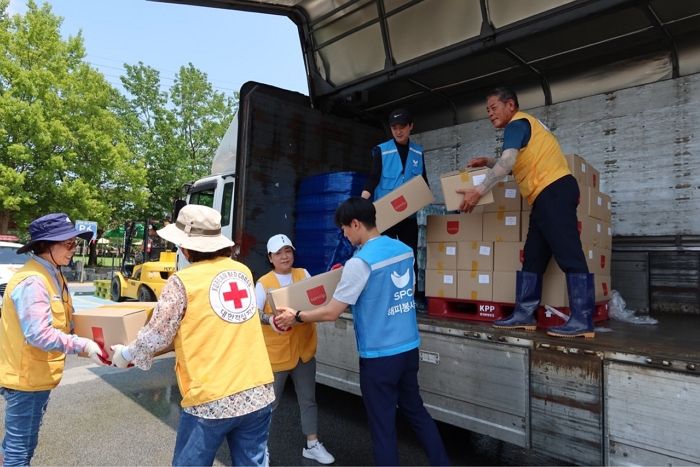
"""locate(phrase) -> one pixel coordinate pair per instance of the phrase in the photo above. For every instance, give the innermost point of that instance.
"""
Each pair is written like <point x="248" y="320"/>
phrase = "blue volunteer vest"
<point x="385" y="313"/>
<point x="393" y="173"/>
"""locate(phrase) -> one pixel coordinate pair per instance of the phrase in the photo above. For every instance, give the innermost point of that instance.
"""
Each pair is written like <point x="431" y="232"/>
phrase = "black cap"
<point x="400" y="116"/>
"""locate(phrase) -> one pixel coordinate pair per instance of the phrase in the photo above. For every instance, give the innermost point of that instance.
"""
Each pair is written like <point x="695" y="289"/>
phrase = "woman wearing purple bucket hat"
<point x="35" y="333"/>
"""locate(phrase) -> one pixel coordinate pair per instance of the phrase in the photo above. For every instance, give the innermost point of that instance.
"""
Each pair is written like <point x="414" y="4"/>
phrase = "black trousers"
<point x="553" y="229"/>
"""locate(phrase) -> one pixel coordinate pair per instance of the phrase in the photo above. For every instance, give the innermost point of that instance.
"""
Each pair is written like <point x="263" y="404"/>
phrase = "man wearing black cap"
<point x="395" y="162"/>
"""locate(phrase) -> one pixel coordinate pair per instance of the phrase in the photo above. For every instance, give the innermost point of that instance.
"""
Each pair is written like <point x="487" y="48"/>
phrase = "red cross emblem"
<point x="235" y="295"/>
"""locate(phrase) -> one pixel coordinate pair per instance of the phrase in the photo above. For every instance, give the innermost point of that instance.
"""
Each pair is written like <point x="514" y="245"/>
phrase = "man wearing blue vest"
<point x="379" y="282"/>
<point x="395" y="162"/>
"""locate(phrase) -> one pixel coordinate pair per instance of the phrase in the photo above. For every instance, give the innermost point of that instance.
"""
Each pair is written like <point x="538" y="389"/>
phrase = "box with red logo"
<point x="117" y="323"/>
<point x="508" y="256"/>
<point x="585" y="173"/>
<point x="401" y="203"/>
<point x="453" y="228"/>
<point x="555" y="293"/>
<point x="469" y="178"/>
<point x="597" y="259"/>
<point x="307" y="294"/>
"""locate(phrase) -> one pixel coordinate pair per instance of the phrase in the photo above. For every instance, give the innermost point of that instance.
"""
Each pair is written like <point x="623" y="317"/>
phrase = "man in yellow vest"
<point x="208" y="309"/>
<point x="292" y="353"/>
<point x="532" y="153"/>
<point x="36" y="333"/>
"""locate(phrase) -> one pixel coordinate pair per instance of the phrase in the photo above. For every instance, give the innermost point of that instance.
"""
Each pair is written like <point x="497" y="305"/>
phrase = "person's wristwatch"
<point x="298" y="317"/>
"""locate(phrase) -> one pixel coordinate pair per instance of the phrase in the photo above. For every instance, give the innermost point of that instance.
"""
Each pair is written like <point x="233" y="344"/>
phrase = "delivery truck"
<point x="618" y="82"/>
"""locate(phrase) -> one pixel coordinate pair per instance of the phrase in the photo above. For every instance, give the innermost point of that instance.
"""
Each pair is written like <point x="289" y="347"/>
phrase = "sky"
<point x="231" y="47"/>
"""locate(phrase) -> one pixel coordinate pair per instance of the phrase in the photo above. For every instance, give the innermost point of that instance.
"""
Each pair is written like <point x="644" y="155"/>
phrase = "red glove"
<point x="275" y="327"/>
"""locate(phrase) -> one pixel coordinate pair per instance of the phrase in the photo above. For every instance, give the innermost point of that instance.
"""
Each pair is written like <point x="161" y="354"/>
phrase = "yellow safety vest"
<point x="539" y="163"/>
<point x="219" y="348"/>
<point x="23" y="366"/>
<point x="286" y="349"/>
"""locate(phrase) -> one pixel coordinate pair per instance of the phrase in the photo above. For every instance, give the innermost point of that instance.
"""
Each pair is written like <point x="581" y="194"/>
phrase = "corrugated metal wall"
<point x="645" y="143"/>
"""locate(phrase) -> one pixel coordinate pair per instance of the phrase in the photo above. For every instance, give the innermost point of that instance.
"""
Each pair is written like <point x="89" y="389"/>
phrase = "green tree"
<point x="177" y="132"/>
<point x="62" y="147"/>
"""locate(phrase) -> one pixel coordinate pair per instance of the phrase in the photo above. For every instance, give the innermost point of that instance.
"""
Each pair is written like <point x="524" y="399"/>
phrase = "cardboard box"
<point x="113" y="324"/>
<point x="585" y="173"/>
<point x="508" y="256"/>
<point x="597" y="259"/>
<point x="501" y="226"/>
<point x="441" y="255"/>
<point x="554" y="291"/>
<point x="469" y="178"/>
<point x="605" y="235"/>
<point x="603" y="288"/>
<point x="599" y="205"/>
<point x="524" y="205"/>
<point x="441" y="284"/>
<point x="453" y="228"/>
<point x="475" y="285"/>
<point x="475" y="256"/>
<point x="306" y="294"/>
<point x="403" y="202"/>
<point x="506" y="198"/>
<point x="504" y="286"/>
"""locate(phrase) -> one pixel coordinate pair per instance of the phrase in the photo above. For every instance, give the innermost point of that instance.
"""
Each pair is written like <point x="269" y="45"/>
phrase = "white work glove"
<point x="275" y="327"/>
<point x="96" y="353"/>
<point x="119" y="359"/>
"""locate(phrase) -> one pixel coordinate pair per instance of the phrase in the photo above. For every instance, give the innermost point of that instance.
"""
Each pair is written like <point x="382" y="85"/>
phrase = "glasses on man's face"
<point x="70" y="244"/>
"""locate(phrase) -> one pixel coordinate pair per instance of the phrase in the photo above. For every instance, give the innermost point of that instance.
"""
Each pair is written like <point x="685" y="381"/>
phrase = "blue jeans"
<point x="198" y="439"/>
<point x="23" y="413"/>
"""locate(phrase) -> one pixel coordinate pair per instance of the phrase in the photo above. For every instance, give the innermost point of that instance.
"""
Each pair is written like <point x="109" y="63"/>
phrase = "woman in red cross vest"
<point x="208" y="311"/>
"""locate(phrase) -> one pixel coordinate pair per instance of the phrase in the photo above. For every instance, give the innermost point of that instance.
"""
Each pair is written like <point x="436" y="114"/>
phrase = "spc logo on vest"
<point x="403" y="294"/>
<point x="231" y="296"/>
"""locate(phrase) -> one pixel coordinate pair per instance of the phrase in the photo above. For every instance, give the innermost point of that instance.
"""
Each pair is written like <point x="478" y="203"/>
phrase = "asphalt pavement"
<point x="110" y="416"/>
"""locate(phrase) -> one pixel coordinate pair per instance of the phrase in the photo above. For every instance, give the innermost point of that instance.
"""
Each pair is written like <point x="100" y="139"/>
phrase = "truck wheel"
<point x="146" y="294"/>
<point x="115" y="290"/>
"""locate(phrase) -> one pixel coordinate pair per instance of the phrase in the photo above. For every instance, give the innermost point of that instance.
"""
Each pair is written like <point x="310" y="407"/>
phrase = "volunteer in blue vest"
<point x="208" y="310"/>
<point x="378" y="282"/>
<point x="36" y="333"/>
<point x="395" y="162"/>
<point x="532" y="153"/>
<point x="292" y="352"/>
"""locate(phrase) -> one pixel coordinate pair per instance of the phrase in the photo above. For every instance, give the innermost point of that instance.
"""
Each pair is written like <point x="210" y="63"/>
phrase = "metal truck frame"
<point x="631" y="395"/>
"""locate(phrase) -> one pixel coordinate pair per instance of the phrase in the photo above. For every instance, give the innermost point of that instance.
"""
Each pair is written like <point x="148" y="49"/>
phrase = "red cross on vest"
<point x="235" y="295"/>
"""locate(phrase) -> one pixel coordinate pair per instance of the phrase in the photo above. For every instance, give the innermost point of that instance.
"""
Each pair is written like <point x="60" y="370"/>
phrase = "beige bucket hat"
<point x="197" y="228"/>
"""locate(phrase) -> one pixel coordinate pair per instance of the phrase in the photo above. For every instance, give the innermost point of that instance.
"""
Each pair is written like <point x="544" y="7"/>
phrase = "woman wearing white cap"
<point x="208" y="309"/>
<point x="291" y="352"/>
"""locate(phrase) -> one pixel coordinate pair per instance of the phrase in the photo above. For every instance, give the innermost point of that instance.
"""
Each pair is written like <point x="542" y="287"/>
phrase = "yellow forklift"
<point x="142" y="281"/>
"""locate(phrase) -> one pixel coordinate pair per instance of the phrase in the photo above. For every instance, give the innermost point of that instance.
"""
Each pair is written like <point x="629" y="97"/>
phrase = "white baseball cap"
<point x="277" y="242"/>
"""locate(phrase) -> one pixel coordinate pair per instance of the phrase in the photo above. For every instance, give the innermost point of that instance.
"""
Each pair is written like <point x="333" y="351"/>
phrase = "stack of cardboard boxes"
<point x="476" y="256"/>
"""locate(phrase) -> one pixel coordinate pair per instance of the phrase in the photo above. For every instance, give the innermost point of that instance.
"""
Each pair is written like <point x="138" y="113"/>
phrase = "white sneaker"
<point x="318" y="453"/>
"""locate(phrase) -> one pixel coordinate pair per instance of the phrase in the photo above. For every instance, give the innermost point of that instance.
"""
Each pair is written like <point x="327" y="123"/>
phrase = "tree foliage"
<point x="176" y="131"/>
<point x="62" y="145"/>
